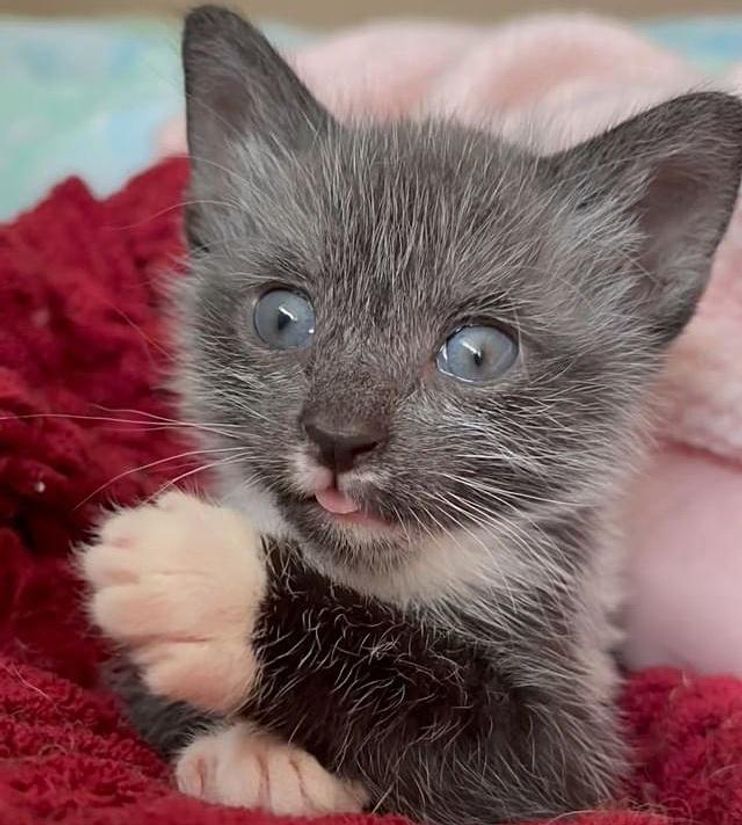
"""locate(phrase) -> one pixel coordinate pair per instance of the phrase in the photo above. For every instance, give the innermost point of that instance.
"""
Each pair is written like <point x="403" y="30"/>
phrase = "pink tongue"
<point x="336" y="502"/>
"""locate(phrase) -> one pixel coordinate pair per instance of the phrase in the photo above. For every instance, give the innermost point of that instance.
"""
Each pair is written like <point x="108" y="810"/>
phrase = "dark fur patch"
<point x="167" y="726"/>
<point x="392" y="701"/>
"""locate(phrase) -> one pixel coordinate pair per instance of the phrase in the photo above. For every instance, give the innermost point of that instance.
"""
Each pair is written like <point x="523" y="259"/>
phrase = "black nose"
<point x="340" y="447"/>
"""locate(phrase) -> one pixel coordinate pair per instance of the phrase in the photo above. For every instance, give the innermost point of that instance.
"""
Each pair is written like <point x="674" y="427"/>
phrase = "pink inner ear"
<point x="685" y="564"/>
<point x="671" y="197"/>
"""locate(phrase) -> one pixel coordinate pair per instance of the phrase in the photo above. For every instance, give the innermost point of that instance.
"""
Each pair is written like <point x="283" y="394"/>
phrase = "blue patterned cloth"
<point x="87" y="97"/>
<point x="710" y="42"/>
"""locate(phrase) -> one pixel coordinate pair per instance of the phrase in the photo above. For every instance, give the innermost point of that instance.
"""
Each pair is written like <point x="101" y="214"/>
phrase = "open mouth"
<point x="337" y="502"/>
<point x="340" y="507"/>
<point x="321" y="496"/>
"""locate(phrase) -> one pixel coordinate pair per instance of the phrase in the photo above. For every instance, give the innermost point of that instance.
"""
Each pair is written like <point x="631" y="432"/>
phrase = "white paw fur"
<point x="179" y="583"/>
<point x="244" y="767"/>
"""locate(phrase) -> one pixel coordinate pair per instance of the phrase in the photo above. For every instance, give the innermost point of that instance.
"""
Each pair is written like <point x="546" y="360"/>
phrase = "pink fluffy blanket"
<point x="555" y="80"/>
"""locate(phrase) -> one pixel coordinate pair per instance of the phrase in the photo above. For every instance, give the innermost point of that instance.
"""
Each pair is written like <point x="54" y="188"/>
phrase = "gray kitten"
<point x="433" y="351"/>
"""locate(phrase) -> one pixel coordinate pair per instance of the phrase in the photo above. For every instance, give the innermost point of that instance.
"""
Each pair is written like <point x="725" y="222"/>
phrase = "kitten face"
<point x="395" y="239"/>
<point x="398" y="239"/>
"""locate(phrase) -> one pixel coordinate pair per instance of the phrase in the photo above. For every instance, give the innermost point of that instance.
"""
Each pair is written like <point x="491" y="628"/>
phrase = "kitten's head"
<point x="415" y="335"/>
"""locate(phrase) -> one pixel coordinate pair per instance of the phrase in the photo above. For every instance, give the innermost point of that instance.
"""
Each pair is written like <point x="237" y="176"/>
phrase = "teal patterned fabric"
<point x="80" y="98"/>
<point x="713" y="43"/>
<point x="87" y="97"/>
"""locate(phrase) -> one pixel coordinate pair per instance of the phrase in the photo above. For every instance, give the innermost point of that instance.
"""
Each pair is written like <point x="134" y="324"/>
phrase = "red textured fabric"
<point x="83" y="354"/>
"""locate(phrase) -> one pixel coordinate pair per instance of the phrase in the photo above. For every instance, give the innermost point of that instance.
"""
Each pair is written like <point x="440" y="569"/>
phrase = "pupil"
<point x="478" y="357"/>
<point x="284" y="319"/>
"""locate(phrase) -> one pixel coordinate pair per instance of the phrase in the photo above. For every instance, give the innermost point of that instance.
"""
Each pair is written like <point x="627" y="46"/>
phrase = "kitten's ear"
<point x="239" y="89"/>
<point x="237" y="85"/>
<point x="676" y="170"/>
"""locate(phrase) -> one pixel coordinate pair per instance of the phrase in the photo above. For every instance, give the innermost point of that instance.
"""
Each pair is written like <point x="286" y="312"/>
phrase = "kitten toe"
<point x="242" y="767"/>
<point x="214" y="676"/>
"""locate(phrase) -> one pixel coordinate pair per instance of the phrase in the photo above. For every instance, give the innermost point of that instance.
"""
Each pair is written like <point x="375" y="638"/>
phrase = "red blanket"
<point x="84" y="420"/>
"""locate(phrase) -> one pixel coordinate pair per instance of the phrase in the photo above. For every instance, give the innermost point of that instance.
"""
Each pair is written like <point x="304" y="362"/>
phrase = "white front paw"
<point x="179" y="583"/>
<point x="243" y="767"/>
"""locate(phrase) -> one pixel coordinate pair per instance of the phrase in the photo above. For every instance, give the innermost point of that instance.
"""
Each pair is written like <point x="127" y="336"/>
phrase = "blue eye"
<point x="284" y="319"/>
<point x="477" y="354"/>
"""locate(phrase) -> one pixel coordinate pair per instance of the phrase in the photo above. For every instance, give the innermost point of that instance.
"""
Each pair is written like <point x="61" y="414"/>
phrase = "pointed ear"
<point x="239" y="91"/>
<point x="674" y="171"/>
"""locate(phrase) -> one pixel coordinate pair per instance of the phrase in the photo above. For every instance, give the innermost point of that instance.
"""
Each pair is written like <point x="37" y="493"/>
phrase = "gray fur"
<point x="400" y="233"/>
<point x="594" y="258"/>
